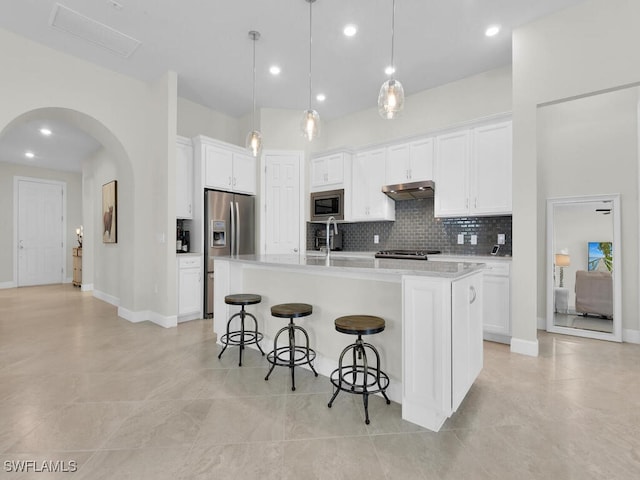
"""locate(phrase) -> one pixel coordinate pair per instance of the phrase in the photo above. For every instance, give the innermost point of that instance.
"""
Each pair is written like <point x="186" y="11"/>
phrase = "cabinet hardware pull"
<point x="472" y="290"/>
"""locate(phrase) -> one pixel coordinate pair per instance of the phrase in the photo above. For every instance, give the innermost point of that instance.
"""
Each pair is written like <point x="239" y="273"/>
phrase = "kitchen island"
<point x="431" y="347"/>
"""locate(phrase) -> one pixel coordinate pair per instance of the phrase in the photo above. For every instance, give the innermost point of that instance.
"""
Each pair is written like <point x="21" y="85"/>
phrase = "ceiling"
<point x="207" y="43"/>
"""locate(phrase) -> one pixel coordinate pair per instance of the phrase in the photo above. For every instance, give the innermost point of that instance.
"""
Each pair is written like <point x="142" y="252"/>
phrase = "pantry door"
<point x="39" y="234"/>
<point x="282" y="203"/>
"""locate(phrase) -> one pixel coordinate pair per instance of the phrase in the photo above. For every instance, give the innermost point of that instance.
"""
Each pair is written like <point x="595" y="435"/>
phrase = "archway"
<point x="107" y="269"/>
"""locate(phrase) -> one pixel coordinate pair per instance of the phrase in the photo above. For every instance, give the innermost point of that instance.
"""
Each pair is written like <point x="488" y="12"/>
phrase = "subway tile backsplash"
<point x="416" y="228"/>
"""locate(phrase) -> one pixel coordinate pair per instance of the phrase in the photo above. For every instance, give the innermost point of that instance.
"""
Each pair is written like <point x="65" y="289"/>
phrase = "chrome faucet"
<point x="335" y="231"/>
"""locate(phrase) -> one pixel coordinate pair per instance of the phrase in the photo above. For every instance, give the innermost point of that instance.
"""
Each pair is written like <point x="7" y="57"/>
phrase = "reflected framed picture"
<point x="600" y="257"/>
<point x="110" y="212"/>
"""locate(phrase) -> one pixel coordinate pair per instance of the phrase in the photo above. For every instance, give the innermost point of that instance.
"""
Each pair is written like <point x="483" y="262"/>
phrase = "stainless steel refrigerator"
<point x="229" y="230"/>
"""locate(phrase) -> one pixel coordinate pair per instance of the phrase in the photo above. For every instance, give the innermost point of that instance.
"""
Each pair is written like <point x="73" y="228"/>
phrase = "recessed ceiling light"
<point x="492" y="31"/>
<point x="29" y="154"/>
<point x="350" y="30"/>
<point x="321" y="97"/>
<point x="389" y="70"/>
<point x="274" y="70"/>
<point x="45" y="131"/>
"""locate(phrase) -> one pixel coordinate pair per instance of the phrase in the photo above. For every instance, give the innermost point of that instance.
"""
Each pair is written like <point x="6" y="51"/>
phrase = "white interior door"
<point x="40" y="232"/>
<point x="282" y="203"/>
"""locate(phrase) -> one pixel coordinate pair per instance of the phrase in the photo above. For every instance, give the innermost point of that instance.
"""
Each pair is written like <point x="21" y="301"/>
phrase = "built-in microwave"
<point x="327" y="204"/>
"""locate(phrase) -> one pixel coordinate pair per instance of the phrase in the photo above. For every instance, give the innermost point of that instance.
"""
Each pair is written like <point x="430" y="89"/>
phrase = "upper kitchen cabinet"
<point x="184" y="178"/>
<point x="227" y="167"/>
<point x="409" y="162"/>
<point x="452" y="174"/>
<point x="329" y="172"/>
<point x="491" y="169"/>
<point x="473" y="172"/>
<point x="368" y="203"/>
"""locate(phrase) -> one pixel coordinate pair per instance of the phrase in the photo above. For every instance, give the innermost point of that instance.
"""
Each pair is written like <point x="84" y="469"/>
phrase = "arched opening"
<point x="107" y="268"/>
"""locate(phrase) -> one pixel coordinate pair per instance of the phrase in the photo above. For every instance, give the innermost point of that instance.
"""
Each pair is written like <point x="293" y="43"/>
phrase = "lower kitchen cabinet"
<point x="442" y="335"/>
<point x="496" y="288"/>
<point x="497" y="304"/>
<point x="189" y="288"/>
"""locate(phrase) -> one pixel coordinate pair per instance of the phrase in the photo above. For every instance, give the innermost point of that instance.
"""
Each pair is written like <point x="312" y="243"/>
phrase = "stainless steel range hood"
<point x="410" y="191"/>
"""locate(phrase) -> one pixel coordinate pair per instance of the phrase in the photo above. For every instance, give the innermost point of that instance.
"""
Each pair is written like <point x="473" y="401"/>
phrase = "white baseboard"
<point x="8" y="285"/>
<point x="166" y="321"/>
<point x="631" y="336"/>
<point x="524" y="347"/>
<point x="133" y="317"/>
<point x="105" y="297"/>
<point x="146" y="315"/>
<point x="86" y="287"/>
<point x="542" y="323"/>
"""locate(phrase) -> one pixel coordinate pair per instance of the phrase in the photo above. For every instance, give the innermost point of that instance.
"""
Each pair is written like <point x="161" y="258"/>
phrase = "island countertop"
<point x="361" y="264"/>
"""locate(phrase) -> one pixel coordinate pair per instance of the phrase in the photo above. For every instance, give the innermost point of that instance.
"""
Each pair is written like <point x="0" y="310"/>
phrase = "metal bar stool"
<point x="359" y="377"/>
<point x="241" y="337"/>
<point x="291" y="355"/>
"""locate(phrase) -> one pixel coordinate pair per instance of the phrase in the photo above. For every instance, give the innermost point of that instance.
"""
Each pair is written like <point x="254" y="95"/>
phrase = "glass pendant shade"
<point x="390" y="99"/>
<point x="254" y="138"/>
<point x="310" y="124"/>
<point x="254" y="143"/>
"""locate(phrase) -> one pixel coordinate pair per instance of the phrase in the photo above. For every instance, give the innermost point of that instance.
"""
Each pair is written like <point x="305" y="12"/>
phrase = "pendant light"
<point x="254" y="138"/>
<point x="310" y="123"/>
<point x="391" y="97"/>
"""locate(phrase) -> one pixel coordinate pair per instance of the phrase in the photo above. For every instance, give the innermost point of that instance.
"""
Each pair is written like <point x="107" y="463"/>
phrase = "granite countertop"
<point x="362" y="264"/>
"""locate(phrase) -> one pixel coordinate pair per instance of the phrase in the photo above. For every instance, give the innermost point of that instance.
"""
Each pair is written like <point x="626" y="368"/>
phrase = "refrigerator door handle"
<point x="233" y="227"/>
<point x="237" y="229"/>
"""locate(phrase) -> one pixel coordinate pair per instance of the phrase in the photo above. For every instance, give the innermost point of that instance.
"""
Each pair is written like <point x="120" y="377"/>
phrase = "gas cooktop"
<point x="408" y="254"/>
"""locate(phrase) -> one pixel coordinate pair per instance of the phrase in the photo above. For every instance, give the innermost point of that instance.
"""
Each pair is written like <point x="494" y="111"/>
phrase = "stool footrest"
<point x="377" y="381"/>
<point x="281" y="356"/>
<point x="239" y="337"/>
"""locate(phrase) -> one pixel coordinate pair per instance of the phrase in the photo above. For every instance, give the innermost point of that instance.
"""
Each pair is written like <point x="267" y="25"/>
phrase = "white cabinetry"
<point x="490" y="186"/>
<point x="189" y="287"/>
<point x="227" y="167"/>
<point x="368" y="203"/>
<point x="184" y="178"/>
<point x="452" y="174"/>
<point x="497" y="302"/>
<point x="466" y="336"/>
<point x="473" y="172"/>
<point x="496" y="287"/>
<point x="409" y="162"/>
<point x="328" y="171"/>
<point x="442" y="337"/>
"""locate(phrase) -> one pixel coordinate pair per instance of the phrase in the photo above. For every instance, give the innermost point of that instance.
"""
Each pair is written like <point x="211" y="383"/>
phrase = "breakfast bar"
<point x="432" y="344"/>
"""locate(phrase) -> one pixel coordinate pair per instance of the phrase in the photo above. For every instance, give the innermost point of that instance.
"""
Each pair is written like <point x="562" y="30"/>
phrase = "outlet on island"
<point x="461" y="239"/>
<point x="376" y="239"/>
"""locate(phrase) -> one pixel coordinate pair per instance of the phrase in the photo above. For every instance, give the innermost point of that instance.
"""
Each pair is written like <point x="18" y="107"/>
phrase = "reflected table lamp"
<point x="562" y="260"/>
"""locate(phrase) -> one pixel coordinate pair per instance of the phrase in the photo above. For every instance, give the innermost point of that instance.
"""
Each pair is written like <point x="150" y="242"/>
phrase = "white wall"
<point x="116" y="110"/>
<point x="475" y="97"/>
<point x="590" y="146"/>
<point x="73" y="214"/>
<point x="195" y="119"/>
<point x="578" y="51"/>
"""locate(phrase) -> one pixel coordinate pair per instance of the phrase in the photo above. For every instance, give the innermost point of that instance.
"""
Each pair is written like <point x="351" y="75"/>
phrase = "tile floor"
<point x="136" y="401"/>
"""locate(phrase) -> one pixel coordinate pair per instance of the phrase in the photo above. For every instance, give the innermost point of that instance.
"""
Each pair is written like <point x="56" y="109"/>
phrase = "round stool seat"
<point x="242" y="299"/>
<point x="291" y="310"/>
<point x="359" y="324"/>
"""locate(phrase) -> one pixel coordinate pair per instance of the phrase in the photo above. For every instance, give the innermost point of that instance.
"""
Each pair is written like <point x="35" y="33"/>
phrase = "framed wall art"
<point x="110" y="212"/>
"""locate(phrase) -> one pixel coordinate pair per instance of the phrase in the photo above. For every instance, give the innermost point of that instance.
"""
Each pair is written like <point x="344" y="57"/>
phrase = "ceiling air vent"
<point x="70" y="21"/>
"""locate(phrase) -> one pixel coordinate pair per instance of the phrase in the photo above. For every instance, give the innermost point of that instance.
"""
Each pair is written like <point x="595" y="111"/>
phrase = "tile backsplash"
<point x="416" y="228"/>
